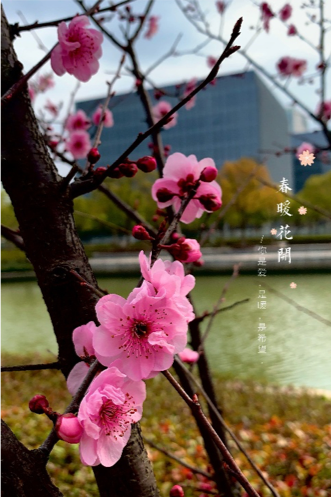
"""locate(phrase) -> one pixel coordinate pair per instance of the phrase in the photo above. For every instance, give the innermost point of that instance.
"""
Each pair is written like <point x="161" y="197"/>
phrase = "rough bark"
<point x="44" y="212"/>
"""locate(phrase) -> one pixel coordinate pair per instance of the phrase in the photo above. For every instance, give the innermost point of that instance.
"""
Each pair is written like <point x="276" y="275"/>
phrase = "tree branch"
<point x="13" y="236"/>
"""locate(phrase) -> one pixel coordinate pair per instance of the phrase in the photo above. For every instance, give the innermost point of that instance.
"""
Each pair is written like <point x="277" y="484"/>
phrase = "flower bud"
<point x="128" y="169"/>
<point x="99" y="171"/>
<point x="163" y="195"/>
<point x="146" y="164"/>
<point x="38" y="404"/>
<point x="115" y="173"/>
<point x="68" y="428"/>
<point x="209" y="174"/>
<point x="177" y="491"/>
<point x="185" y="250"/>
<point x="189" y="356"/>
<point x="140" y="233"/>
<point x="210" y="202"/>
<point x="93" y="156"/>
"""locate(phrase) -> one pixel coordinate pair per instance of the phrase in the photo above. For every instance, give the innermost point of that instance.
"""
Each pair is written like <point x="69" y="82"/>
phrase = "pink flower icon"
<point x="78" y="50"/>
<point x="293" y="285"/>
<point x="306" y="158"/>
<point x="273" y="231"/>
<point x="302" y="210"/>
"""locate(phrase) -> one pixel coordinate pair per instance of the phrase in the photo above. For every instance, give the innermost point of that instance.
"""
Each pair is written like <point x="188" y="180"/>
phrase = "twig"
<point x="310" y="313"/>
<point x="230" y="432"/>
<point x="180" y="461"/>
<point x="36" y="37"/>
<point x="66" y="180"/>
<point x="218" y="304"/>
<point x="85" y="283"/>
<point x="101" y="221"/>
<point x="228" y="308"/>
<point x="13" y="236"/>
<point x="142" y="21"/>
<point x="31" y="367"/>
<point x="195" y="405"/>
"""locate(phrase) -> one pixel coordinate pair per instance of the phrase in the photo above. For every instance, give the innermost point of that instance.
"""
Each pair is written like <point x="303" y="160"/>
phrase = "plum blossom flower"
<point x="78" y="144"/>
<point x="169" y="280"/>
<point x="185" y="250"/>
<point x="180" y="175"/>
<point x="108" y="121"/>
<point x="190" y="86"/>
<point x="288" y="66"/>
<point x="324" y="110"/>
<point x="83" y="342"/>
<point x="188" y="355"/>
<point x="152" y="27"/>
<point x="266" y="15"/>
<point x="292" y="30"/>
<point x="304" y="146"/>
<point x="160" y="110"/>
<point x="111" y="404"/>
<point x="144" y="332"/>
<point x="286" y="12"/>
<point x="78" y="121"/>
<point x="78" y="50"/>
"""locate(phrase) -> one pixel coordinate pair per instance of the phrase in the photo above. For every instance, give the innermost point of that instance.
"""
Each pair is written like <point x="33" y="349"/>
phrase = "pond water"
<point x="298" y="346"/>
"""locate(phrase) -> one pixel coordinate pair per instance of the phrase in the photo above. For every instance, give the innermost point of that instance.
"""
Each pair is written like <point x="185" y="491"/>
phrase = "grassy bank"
<point x="286" y="432"/>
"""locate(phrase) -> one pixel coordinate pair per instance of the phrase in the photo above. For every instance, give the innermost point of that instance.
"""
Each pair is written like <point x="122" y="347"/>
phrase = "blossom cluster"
<point x="136" y="339"/>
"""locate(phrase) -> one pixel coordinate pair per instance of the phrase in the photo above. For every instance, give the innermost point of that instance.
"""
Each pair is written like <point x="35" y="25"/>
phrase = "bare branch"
<point x="13" y="236"/>
<point x="31" y="367"/>
<point x="228" y="308"/>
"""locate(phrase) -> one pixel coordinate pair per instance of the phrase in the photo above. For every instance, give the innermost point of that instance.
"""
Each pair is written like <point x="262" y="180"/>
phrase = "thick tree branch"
<point x="12" y="236"/>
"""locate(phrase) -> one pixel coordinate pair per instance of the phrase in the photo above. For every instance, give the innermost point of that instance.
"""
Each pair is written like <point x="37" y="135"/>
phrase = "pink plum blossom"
<point x="160" y="110"/>
<point x="78" y="144"/>
<point x="169" y="280"/>
<point x="83" y="342"/>
<point x="186" y="250"/>
<point x="188" y="355"/>
<point x="144" y="332"/>
<point x="211" y="61"/>
<point x="288" y="66"/>
<point x="292" y="30"/>
<point x="180" y="175"/>
<point x="68" y="428"/>
<point x="78" y="50"/>
<point x="326" y="110"/>
<point x="190" y="86"/>
<point x="286" y="12"/>
<point x="45" y="82"/>
<point x="304" y="146"/>
<point x="266" y="15"/>
<point x="152" y="27"/>
<point x="112" y="403"/>
<point x="78" y="121"/>
<point x="108" y="121"/>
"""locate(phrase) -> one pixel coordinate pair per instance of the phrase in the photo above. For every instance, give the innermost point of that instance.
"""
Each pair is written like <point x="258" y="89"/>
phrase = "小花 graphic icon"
<point x="302" y="210"/>
<point x="306" y="158"/>
<point x="273" y="231"/>
<point x="293" y="285"/>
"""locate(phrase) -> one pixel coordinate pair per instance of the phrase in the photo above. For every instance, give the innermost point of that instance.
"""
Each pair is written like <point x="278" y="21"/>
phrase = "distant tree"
<point x="316" y="190"/>
<point x="256" y="203"/>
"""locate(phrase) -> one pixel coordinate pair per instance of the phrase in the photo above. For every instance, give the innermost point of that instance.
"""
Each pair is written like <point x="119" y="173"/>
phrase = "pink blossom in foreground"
<point x="160" y="110"/>
<point x="180" y="175"/>
<point x="211" y="61"/>
<point x="152" y="27"/>
<point x="169" y="280"/>
<point x="78" y="121"/>
<point x="266" y="15"/>
<point x="292" y="30"/>
<point x="78" y="50"/>
<point x="190" y="86"/>
<point x="83" y="342"/>
<point x="108" y="121"/>
<point x="304" y="146"/>
<point x="78" y="144"/>
<point x="144" y="332"/>
<point x="188" y="355"/>
<point x="326" y="110"/>
<point x="286" y="12"/>
<point x="288" y="66"/>
<point x="187" y="250"/>
<point x="68" y="428"/>
<point x="45" y="82"/>
<point x="112" y="403"/>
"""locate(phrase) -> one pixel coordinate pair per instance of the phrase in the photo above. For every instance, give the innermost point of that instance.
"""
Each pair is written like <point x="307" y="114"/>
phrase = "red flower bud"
<point x="68" y="428"/>
<point x="163" y="195"/>
<point x="128" y="169"/>
<point x="38" y="404"/>
<point x="93" y="156"/>
<point x="210" y="202"/>
<point x="115" y="173"/>
<point x="177" y="491"/>
<point x="208" y="174"/>
<point x="140" y="233"/>
<point x="99" y="171"/>
<point x="146" y="164"/>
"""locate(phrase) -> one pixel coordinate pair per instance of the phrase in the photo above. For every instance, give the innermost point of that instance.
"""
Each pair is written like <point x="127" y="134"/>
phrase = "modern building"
<point x="236" y="117"/>
<point x="301" y="173"/>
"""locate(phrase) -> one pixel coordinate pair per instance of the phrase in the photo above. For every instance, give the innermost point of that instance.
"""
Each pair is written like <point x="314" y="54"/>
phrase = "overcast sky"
<point x="266" y="49"/>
